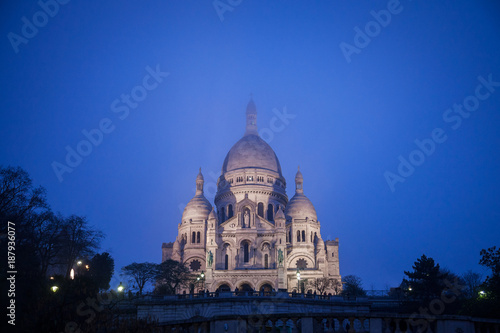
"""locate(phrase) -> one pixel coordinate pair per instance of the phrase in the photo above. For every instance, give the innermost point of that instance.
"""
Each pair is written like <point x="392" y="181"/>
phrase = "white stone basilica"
<point x="254" y="238"/>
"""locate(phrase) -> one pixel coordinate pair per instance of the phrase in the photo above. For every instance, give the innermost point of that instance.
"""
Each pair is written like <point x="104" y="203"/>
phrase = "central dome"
<point x="251" y="152"/>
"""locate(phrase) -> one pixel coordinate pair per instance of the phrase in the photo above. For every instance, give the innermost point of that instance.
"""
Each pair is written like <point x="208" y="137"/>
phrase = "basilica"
<point x="253" y="237"/>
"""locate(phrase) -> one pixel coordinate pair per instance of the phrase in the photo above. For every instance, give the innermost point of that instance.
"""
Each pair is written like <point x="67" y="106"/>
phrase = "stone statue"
<point x="246" y="219"/>
<point x="280" y="257"/>
<point x="210" y="258"/>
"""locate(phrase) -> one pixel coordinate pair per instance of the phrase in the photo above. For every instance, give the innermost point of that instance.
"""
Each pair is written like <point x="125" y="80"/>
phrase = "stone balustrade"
<point x="289" y="312"/>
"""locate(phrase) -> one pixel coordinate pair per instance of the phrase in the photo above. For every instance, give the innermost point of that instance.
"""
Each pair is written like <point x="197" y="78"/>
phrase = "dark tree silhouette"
<point x="491" y="258"/>
<point x="102" y="267"/>
<point x="427" y="280"/>
<point x="472" y="284"/>
<point x="79" y="240"/>
<point x="172" y="275"/>
<point x="140" y="274"/>
<point x="44" y="242"/>
<point x="352" y="286"/>
<point x="18" y="198"/>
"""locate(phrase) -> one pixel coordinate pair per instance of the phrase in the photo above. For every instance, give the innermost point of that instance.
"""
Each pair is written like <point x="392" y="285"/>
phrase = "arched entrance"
<point x="245" y="289"/>
<point x="266" y="289"/>
<point x="223" y="288"/>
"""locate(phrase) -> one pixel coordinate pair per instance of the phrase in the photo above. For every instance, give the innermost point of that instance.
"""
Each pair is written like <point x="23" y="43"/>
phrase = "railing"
<point x="224" y="294"/>
<point x="253" y="294"/>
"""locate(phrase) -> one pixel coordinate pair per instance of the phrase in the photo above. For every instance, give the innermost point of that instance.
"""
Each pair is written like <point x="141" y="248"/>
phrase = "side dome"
<point x="251" y="151"/>
<point x="300" y="207"/>
<point x="198" y="208"/>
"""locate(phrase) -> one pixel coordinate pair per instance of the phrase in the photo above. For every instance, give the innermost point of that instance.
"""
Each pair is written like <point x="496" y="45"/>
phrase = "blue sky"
<point x="355" y="114"/>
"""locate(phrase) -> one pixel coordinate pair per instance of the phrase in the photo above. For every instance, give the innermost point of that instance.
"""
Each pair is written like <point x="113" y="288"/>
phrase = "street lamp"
<point x="298" y="280"/>
<point x="54" y="288"/>
<point x="201" y="278"/>
<point x="120" y="287"/>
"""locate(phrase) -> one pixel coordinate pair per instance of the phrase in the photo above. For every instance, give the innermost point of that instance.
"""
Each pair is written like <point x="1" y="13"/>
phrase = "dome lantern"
<point x="199" y="183"/>
<point x="299" y="181"/>
<point x="251" y="114"/>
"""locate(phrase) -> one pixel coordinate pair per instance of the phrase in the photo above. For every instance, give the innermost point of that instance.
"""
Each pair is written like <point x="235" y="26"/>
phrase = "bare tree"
<point x="325" y="284"/>
<point x="140" y="274"/>
<point x="321" y="284"/>
<point x="18" y="198"/>
<point x="336" y="286"/>
<point x="78" y="240"/>
<point x="46" y="233"/>
<point x="472" y="282"/>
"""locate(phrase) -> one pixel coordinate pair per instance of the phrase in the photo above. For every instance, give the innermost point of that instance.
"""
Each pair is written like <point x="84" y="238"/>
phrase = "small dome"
<point x="197" y="208"/>
<point x="300" y="207"/>
<point x="251" y="152"/>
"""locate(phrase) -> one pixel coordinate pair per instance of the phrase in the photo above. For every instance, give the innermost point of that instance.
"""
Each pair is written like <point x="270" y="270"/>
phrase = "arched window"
<point x="298" y="235"/>
<point x="246" y="253"/>
<point x="198" y="237"/>
<point x="266" y="261"/>
<point x="222" y="214"/>
<point x="260" y="209"/>
<point x="311" y="236"/>
<point x="226" y="262"/>
<point x="229" y="211"/>
<point x="193" y="239"/>
<point x="303" y="236"/>
<point x="270" y="212"/>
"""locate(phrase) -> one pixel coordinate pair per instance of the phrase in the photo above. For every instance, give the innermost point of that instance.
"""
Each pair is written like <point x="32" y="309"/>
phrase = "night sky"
<point x="167" y="84"/>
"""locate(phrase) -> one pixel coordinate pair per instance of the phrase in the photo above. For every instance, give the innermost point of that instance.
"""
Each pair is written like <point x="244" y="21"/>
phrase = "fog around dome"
<point x="251" y="152"/>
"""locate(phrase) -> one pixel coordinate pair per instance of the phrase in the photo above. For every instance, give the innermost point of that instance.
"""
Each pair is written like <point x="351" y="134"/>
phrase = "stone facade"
<point x="254" y="238"/>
